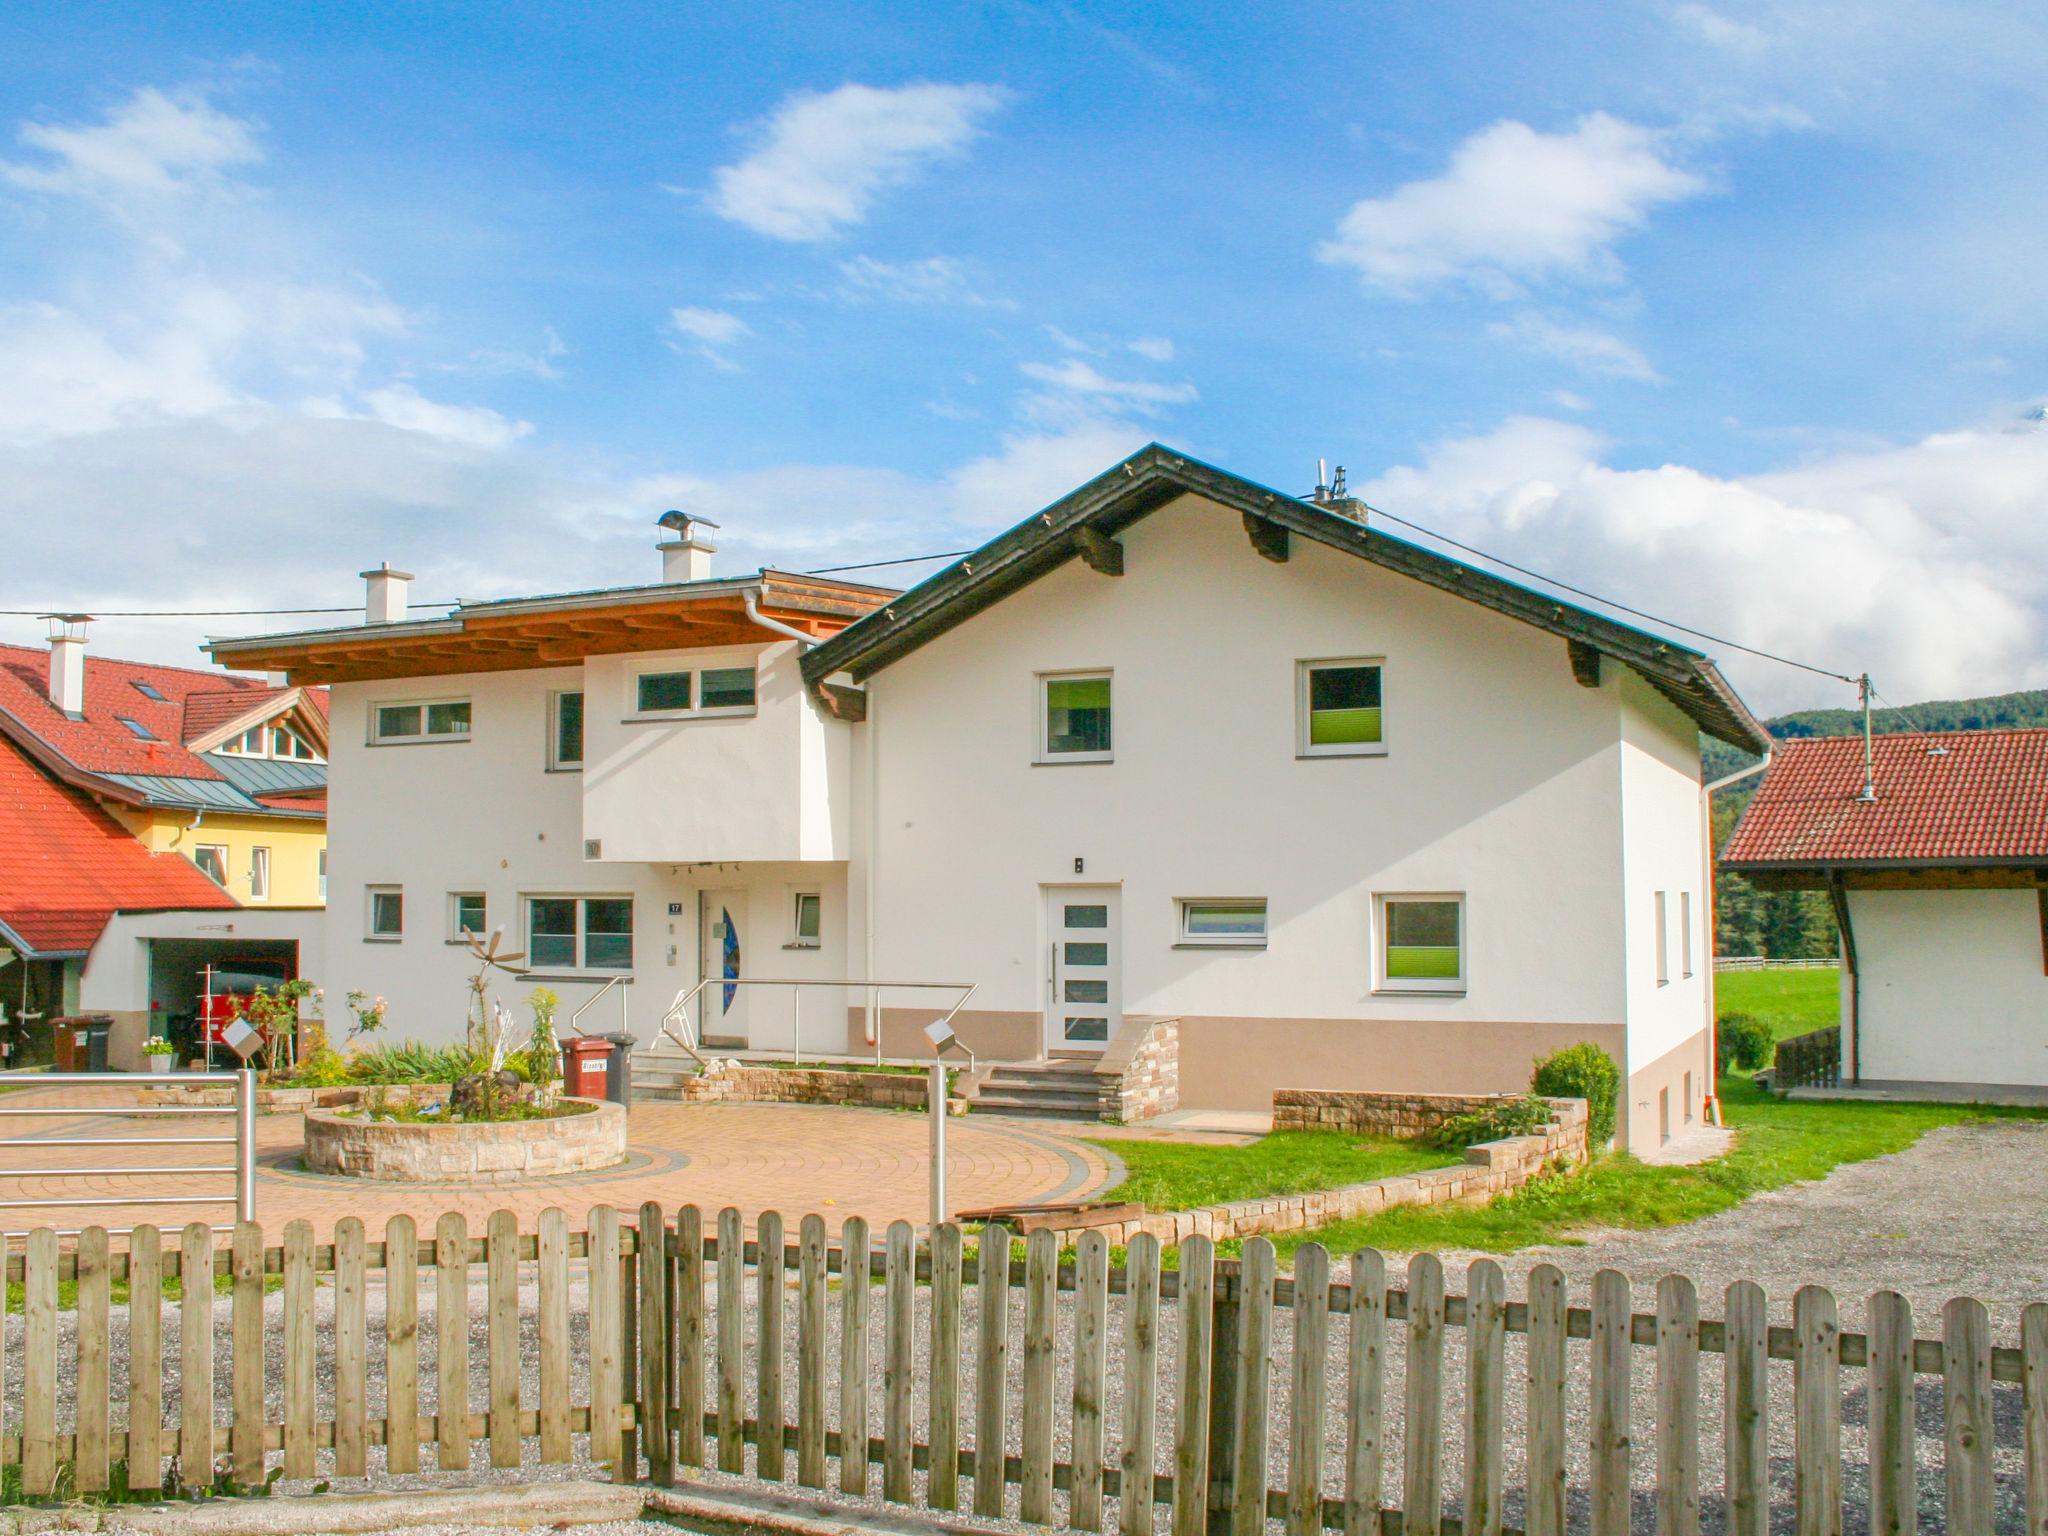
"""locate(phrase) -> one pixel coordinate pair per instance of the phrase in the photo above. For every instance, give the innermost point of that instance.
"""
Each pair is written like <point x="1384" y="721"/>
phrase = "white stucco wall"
<point x="1952" y="986"/>
<point x="485" y="814"/>
<point x="1503" y="780"/>
<point x="116" y="976"/>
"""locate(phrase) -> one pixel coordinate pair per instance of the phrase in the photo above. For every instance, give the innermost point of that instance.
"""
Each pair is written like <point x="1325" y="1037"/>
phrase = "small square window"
<point x="397" y="721"/>
<point x="1422" y="943"/>
<point x="551" y="933"/>
<point x="137" y="729"/>
<point x="449" y="719"/>
<point x="662" y="692"/>
<point x="212" y="860"/>
<point x="1239" y="924"/>
<point x="809" y="909"/>
<point x="727" y="688"/>
<point x="565" y="730"/>
<point x="387" y="912"/>
<point x="1339" y="707"/>
<point x="1075" y="718"/>
<point x="466" y="911"/>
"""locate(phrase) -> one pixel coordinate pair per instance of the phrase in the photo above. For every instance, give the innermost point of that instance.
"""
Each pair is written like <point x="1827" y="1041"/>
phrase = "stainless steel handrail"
<point x="874" y="989"/>
<point x="243" y="1168"/>
<point x="591" y="1001"/>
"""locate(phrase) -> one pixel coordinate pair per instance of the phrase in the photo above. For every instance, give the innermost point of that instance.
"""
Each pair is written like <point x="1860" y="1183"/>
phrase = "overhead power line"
<point x="194" y="613"/>
<point x="875" y="565"/>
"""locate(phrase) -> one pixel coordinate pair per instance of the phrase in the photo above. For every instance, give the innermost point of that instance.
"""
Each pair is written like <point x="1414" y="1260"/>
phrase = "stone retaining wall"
<point x="507" y="1152"/>
<point x="1404" y="1115"/>
<point x="1139" y="1075"/>
<point x="290" y="1101"/>
<point x="737" y="1082"/>
<point x="1490" y="1168"/>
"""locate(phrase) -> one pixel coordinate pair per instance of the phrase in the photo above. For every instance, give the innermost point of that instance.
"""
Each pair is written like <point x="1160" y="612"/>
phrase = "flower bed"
<point x="585" y="1137"/>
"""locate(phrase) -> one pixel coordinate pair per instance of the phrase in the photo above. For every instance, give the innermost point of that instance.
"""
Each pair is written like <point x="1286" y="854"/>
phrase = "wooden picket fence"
<point x="666" y="1364"/>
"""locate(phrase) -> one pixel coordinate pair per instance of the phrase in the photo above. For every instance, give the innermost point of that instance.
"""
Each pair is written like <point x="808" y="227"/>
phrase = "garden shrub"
<point x="1583" y="1071"/>
<point x="322" y="1068"/>
<point x="1743" y="1040"/>
<point x="1514" y="1117"/>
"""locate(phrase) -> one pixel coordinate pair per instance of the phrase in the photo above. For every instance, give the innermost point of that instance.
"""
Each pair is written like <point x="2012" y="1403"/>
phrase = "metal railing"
<point x="691" y="1036"/>
<point x="242" y="1169"/>
<point x="591" y="1002"/>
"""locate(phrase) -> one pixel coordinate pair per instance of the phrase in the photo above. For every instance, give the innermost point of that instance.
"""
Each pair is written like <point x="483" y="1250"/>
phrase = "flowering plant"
<point x="158" y="1045"/>
<point x="368" y="1012"/>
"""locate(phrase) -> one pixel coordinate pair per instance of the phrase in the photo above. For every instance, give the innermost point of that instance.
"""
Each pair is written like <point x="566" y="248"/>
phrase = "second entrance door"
<point x="1083" y="992"/>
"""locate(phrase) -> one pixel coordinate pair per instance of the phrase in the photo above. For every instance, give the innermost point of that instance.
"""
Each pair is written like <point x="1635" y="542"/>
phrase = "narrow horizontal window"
<point x="430" y="720"/>
<point x="1240" y="922"/>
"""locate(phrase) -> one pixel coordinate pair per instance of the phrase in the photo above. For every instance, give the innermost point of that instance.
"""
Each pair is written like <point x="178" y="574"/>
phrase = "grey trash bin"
<point x="96" y="1035"/>
<point x="618" y="1086"/>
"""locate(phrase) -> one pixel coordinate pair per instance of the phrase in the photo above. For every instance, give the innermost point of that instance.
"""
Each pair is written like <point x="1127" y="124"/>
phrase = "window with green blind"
<point x="1340" y="709"/>
<point x="1422" y="943"/>
<point x="1076" y="717"/>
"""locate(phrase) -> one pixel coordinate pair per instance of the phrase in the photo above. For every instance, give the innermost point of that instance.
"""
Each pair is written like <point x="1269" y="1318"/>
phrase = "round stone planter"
<point x="506" y="1153"/>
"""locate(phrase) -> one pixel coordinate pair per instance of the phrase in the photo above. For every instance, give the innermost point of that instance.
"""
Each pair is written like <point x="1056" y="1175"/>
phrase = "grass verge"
<point x="1178" y="1176"/>
<point x="1791" y="1002"/>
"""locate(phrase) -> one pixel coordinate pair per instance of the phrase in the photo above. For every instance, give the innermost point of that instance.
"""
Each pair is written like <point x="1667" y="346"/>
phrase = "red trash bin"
<point x="586" y="1064"/>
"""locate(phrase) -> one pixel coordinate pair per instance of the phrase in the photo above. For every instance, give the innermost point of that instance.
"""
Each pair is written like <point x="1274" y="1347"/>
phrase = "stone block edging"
<point x="1490" y="1168"/>
<point x="737" y="1082"/>
<point x="503" y="1152"/>
<point x="291" y="1101"/>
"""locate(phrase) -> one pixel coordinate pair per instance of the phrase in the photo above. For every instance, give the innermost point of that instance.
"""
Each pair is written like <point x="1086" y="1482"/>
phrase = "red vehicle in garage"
<point x="235" y="979"/>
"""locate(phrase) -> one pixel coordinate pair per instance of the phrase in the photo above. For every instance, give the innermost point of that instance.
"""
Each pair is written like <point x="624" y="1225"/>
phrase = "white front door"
<point x="1084" y="979"/>
<point x="723" y="954"/>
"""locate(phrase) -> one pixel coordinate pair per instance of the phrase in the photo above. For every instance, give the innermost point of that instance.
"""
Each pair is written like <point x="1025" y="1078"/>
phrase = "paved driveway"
<point x="792" y="1158"/>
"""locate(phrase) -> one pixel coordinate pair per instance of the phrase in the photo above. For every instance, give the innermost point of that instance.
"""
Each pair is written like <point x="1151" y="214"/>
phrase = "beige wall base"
<point x="990" y="1034"/>
<point x="1639" y="1127"/>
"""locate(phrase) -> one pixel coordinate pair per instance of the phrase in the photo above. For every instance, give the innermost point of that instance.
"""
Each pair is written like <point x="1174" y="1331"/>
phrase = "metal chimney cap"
<point x="682" y="522"/>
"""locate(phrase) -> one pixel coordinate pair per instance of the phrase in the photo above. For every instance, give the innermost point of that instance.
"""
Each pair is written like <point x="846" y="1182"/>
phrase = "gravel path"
<point x="1890" y="1222"/>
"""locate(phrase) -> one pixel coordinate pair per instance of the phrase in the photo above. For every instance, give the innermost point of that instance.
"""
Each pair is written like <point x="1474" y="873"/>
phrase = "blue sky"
<point x="1731" y="311"/>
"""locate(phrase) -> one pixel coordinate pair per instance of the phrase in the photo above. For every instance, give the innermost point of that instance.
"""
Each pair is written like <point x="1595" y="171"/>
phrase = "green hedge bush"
<point x="1583" y="1071"/>
<point x="1743" y="1040"/>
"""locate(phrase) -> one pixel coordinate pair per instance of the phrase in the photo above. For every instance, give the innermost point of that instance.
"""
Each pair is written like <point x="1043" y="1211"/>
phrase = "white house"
<point x="1936" y="860"/>
<point x="1179" y="746"/>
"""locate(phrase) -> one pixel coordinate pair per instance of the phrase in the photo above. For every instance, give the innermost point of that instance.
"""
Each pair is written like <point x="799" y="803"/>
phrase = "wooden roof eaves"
<point x="309" y="721"/>
<point x="1155" y="475"/>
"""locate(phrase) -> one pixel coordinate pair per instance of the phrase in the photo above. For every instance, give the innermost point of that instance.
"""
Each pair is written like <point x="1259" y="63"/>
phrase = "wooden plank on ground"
<point x="1422" y="1503"/>
<point x="1041" y="1279"/>
<point x="501" y="1293"/>
<point x="855" y="1284"/>
<point x="351" y="1350"/>
<point x="1966" y="1414"/>
<point x="942" y="1434"/>
<point x="145" y="1356"/>
<point x="810" y="1352"/>
<point x="301" y="1342"/>
<point x="1678" y="1407"/>
<point x="899" y="1370"/>
<point x="1745" y="1413"/>
<point x="1894" y="1498"/>
<point x="1308" y="1389"/>
<point x="770" y="1287"/>
<point x="1486" y="1300"/>
<point x="556" y="1445"/>
<point x="607" y="1381"/>
<point x="689" y="1352"/>
<point x="1365" y="1394"/>
<point x="401" y="1345"/>
<point x="1254" y="1388"/>
<point x="1613" y="1307"/>
<point x="732" y="1341"/>
<point x="1544" y="1431"/>
<point x="92" y="1394"/>
<point x="39" y="1366"/>
<point x="1138" y="1458"/>
<point x="991" y="1367"/>
<point x="245" y="1431"/>
<point x="653" y="1325"/>
<point x="451" y="1341"/>
<point x="1197" y="1303"/>
<point x="195" y="1357"/>
<point x="1817" y="1413"/>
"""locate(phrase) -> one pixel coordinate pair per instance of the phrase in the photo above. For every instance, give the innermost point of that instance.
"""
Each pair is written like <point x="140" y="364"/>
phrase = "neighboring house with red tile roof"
<point x="141" y="801"/>
<point x="1936" y="860"/>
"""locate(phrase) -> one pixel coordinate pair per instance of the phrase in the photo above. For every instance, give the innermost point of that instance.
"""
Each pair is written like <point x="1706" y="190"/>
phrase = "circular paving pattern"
<point x="792" y="1158"/>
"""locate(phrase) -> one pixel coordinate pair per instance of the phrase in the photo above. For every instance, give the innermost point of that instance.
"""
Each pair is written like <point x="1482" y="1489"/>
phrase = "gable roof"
<point x="193" y="710"/>
<point x="1948" y="798"/>
<point x="66" y="866"/>
<point x="1155" y="476"/>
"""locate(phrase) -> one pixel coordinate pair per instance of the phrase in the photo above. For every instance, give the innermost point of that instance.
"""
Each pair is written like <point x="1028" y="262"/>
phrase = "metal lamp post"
<point x="941" y="1038"/>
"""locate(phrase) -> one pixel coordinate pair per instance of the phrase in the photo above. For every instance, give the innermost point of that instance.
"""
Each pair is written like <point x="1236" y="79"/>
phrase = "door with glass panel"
<point x="723" y="954"/>
<point x="1083" y="986"/>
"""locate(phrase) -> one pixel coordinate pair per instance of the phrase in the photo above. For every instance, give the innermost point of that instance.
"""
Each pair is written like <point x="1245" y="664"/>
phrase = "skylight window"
<point x="137" y="728"/>
<point x="147" y="690"/>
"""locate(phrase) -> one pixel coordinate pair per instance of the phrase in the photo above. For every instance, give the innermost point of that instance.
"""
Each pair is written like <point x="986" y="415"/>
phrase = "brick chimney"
<point x="687" y="556"/>
<point x="67" y="661"/>
<point x="384" y="594"/>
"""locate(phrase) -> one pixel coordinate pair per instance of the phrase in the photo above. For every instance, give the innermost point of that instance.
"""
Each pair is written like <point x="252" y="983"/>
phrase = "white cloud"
<point x="1035" y="469"/>
<point x="1514" y="206"/>
<point x="824" y="157"/>
<point x="1921" y="562"/>
<point x="1073" y="384"/>
<point x="1157" y="348"/>
<point x="1711" y="26"/>
<point x="708" y="332"/>
<point x="400" y="405"/>
<point x="1569" y="400"/>
<point x="934" y="280"/>
<point x="154" y="143"/>
<point x="1583" y="346"/>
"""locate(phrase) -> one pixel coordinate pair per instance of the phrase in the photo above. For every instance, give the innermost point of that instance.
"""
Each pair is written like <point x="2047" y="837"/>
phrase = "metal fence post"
<point x="245" y="1145"/>
<point x="937" y="1096"/>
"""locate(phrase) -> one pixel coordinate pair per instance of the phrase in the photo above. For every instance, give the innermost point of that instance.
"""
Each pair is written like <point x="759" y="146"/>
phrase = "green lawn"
<point x="1178" y="1176"/>
<point x="1791" y="1002"/>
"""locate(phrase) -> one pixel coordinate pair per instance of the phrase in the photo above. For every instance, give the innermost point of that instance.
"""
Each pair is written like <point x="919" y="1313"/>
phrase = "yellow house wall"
<point x="295" y="847"/>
